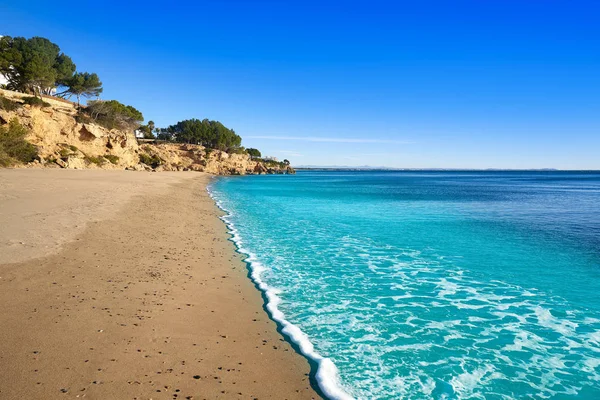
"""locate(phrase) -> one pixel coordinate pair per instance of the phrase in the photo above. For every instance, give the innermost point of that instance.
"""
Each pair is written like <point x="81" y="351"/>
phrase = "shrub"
<point x="7" y="104"/>
<point x="273" y="163"/>
<point x="13" y="146"/>
<point x="95" y="160"/>
<point x="254" y="153"/>
<point x="35" y="102"/>
<point x="113" y="159"/>
<point x="237" y="150"/>
<point x="83" y="118"/>
<point x="151" y="160"/>
<point x="5" y="160"/>
<point x="64" y="153"/>
<point x="67" y="150"/>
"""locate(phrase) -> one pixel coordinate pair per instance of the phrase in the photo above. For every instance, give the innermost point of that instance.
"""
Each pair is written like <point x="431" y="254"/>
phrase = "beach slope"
<point x="123" y="285"/>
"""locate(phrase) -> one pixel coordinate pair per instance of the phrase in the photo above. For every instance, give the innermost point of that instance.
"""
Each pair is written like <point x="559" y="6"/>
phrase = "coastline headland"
<point x="119" y="284"/>
<point x="65" y="136"/>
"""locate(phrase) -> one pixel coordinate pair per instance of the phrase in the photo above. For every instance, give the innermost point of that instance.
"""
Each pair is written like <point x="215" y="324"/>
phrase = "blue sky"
<point x="417" y="84"/>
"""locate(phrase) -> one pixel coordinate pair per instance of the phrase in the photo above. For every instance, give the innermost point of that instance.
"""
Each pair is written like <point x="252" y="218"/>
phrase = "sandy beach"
<point x="123" y="285"/>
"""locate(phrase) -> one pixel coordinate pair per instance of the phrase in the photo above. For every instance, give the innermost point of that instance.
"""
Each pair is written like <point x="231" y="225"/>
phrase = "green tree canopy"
<point x="212" y="134"/>
<point x="9" y="56"/>
<point x="163" y="134"/>
<point x="114" y="115"/>
<point x="82" y="84"/>
<point x="254" y="153"/>
<point x="33" y="65"/>
<point x="65" y="68"/>
<point x="148" y="130"/>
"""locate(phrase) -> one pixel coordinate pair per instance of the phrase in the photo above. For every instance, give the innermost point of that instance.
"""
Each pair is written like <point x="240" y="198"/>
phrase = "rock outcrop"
<point x="63" y="142"/>
<point x="190" y="157"/>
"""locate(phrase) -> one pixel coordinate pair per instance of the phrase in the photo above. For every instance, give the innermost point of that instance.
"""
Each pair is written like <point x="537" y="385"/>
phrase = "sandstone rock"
<point x="89" y="132"/>
<point x="55" y="128"/>
<point x="54" y="131"/>
<point x="260" y="169"/>
<point x="75" y="163"/>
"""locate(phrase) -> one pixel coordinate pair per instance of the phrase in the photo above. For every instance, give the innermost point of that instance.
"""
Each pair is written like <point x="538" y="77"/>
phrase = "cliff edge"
<point x="64" y="140"/>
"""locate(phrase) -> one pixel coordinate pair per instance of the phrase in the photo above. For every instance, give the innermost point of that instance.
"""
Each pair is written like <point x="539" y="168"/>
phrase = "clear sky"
<point x="455" y="83"/>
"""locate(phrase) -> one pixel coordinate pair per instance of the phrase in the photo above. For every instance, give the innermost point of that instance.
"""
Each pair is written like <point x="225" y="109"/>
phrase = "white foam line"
<point x="327" y="375"/>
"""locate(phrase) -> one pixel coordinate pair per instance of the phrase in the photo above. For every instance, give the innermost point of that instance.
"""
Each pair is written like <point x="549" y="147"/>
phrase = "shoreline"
<point x="148" y="300"/>
<point x="326" y="375"/>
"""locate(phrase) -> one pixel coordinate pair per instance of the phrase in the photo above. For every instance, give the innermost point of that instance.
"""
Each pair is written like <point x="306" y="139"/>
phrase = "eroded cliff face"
<point x="63" y="142"/>
<point x="178" y="157"/>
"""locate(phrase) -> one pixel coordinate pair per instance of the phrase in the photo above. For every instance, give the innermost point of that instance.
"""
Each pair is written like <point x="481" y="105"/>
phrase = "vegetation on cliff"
<point x="254" y="153"/>
<point x="150" y="159"/>
<point x="62" y="139"/>
<point x="205" y="132"/>
<point x="111" y="114"/>
<point x="7" y="104"/>
<point x="35" y="102"/>
<point x="83" y="84"/>
<point x="149" y="130"/>
<point x="13" y="146"/>
<point x="275" y="164"/>
<point x="37" y="66"/>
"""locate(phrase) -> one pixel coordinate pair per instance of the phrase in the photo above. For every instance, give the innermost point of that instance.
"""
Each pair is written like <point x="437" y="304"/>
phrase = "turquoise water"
<point x="430" y="285"/>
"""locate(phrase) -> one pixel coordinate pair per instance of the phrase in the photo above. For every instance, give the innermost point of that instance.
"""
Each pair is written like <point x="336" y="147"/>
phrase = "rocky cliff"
<point x="63" y="142"/>
<point x="178" y="157"/>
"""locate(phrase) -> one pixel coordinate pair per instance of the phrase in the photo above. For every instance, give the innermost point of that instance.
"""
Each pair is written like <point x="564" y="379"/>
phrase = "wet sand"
<point x="126" y="287"/>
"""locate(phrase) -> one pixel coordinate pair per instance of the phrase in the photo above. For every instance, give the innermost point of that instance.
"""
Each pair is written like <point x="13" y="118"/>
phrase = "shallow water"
<point x="462" y="285"/>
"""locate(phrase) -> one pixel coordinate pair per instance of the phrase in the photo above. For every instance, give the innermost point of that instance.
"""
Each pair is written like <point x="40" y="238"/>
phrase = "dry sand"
<point x="123" y="285"/>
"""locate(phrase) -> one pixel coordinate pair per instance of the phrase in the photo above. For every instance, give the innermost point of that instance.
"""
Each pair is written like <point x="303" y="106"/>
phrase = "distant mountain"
<point x="372" y="168"/>
<point x="344" y="167"/>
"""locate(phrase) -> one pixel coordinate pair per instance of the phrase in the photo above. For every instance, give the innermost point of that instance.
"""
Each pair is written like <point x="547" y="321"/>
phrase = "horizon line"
<point x="366" y="167"/>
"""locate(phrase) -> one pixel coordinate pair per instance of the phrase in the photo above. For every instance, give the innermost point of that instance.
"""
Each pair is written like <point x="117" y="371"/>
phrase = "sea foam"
<point x="463" y="297"/>
<point x="327" y="375"/>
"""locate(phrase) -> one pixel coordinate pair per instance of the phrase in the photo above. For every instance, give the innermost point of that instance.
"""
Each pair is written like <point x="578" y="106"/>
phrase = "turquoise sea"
<point x="429" y="285"/>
